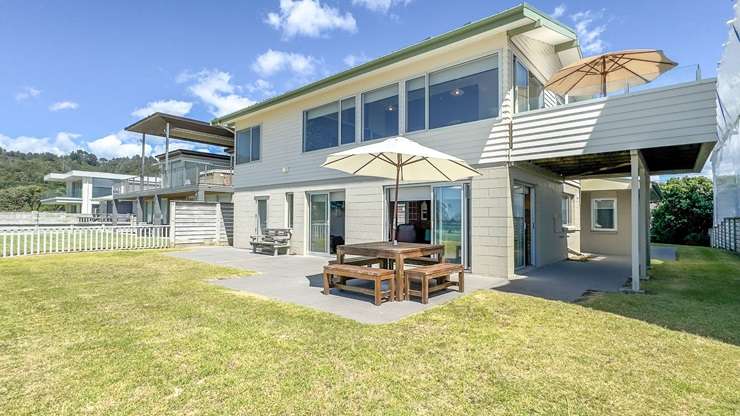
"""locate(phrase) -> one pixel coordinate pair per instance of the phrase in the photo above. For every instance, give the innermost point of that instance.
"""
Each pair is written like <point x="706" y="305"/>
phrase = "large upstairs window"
<point x="529" y="93"/>
<point x="325" y="126"/>
<point x="416" y="104"/>
<point x="248" y="145"/>
<point x="464" y="93"/>
<point x="380" y="113"/>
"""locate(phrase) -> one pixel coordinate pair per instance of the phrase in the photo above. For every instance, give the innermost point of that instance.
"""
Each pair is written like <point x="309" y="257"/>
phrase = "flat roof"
<point x="79" y="174"/>
<point x="523" y="14"/>
<point x="183" y="128"/>
<point x="186" y="152"/>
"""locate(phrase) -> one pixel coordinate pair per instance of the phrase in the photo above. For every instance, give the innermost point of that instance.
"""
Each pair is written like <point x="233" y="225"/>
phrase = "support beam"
<point x="634" y="218"/>
<point x="143" y="152"/>
<point x="167" y="155"/>
<point x="645" y="185"/>
<point x="642" y="217"/>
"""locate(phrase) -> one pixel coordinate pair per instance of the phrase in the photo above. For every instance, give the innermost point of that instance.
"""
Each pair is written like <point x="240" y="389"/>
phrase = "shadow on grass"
<point x="698" y="294"/>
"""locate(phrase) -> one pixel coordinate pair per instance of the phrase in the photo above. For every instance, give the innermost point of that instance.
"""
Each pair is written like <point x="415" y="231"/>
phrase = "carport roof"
<point x="183" y="128"/>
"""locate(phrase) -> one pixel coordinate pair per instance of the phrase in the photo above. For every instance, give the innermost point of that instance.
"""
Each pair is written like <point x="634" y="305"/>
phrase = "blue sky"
<point x="73" y="74"/>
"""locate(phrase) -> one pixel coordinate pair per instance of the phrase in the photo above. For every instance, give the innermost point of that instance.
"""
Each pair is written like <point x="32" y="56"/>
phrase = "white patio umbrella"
<point x="403" y="160"/>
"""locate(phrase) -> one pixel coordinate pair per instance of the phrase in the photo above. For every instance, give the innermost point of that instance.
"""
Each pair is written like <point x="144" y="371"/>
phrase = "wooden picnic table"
<point x="397" y="253"/>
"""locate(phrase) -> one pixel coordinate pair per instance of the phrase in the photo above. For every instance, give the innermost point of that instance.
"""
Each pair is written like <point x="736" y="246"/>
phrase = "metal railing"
<point x="26" y="241"/>
<point x="106" y="218"/>
<point x="135" y="185"/>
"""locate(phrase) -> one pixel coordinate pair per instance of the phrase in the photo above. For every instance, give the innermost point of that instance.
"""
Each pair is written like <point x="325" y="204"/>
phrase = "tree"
<point x="21" y="198"/>
<point x="684" y="213"/>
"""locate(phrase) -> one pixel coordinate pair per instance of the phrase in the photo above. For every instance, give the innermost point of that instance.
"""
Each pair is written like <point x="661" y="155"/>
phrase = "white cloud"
<point x="589" y="33"/>
<point x="175" y="107"/>
<point x="309" y="18"/>
<point x="354" y="60"/>
<point x="62" y="143"/>
<point x="121" y="144"/>
<point x="26" y="93"/>
<point x="559" y="10"/>
<point x="381" y="6"/>
<point x="63" y="105"/>
<point x="261" y="87"/>
<point x="215" y="89"/>
<point x="272" y="62"/>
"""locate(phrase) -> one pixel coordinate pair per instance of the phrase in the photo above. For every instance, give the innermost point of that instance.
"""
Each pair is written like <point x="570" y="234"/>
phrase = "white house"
<point x="83" y="189"/>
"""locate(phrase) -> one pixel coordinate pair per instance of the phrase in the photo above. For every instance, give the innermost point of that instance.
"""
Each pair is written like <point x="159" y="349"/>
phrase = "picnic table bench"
<point x="272" y="240"/>
<point x="378" y="276"/>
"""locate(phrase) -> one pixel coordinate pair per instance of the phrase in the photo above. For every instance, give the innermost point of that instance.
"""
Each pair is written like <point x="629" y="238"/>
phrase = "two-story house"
<point x="83" y="189"/>
<point x="477" y="93"/>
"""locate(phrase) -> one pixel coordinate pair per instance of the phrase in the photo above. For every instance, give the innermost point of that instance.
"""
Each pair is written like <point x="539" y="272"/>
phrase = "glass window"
<point x="380" y="113"/>
<point x="464" y="93"/>
<point x="321" y="127"/>
<point x="415" y="104"/>
<point x="248" y="145"/>
<point x="604" y="214"/>
<point x="566" y="205"/>
<point x="261" y="215"/>
<point x="529" y="93"/>
<point x="289" y="209"/>
<point x="348" y="120"/>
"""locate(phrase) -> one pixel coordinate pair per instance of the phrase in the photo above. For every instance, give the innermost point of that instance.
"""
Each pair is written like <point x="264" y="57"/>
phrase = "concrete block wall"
<point x="492" y="231"/>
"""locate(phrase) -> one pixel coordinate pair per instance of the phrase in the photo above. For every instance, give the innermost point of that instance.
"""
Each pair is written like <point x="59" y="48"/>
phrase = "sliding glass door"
<point x="319" y="224"/>
<point x="522" y="196"/>
<point x="449" y="221"/>
<point x="327" y="221"/>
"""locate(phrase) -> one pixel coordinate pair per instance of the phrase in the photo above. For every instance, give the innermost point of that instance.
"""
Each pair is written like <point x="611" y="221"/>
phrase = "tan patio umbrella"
<point x="609" y="72"/>
<point x="401" y="159"/>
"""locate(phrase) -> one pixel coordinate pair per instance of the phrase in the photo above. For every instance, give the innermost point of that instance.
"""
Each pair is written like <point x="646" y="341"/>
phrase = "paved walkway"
<point x="568" y="280"/>
<point x="298" y="279"/>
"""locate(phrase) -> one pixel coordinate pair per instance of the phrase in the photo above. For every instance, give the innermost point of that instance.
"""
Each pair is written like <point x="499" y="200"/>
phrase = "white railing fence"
<point x="28" y="241"/>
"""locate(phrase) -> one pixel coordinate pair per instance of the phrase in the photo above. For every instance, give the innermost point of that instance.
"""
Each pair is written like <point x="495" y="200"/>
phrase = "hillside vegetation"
<point x="22" y="174"/>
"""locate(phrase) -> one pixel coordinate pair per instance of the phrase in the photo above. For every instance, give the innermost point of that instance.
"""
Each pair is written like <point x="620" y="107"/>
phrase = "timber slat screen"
<point x="726" y="235"/>
<point x="29" y="241"/>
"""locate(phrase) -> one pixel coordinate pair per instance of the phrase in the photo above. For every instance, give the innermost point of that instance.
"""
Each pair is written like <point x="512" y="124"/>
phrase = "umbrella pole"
<point x="395" y="205"/>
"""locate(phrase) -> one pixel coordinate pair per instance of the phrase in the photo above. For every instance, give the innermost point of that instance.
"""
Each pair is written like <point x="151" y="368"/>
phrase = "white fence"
<point x="195" y="222"/>
<point x="27" y="241"/>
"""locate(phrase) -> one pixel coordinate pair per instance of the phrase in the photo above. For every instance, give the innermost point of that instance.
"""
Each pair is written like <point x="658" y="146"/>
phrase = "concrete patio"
<point x="298" y="280"/>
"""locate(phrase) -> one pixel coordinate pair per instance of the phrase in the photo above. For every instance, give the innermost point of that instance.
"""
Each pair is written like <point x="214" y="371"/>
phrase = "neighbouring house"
<point x="84" y="190"/>
<point x="475" y="92"/>
<point x="185" y="175"/>
<point x="726" y="157"/>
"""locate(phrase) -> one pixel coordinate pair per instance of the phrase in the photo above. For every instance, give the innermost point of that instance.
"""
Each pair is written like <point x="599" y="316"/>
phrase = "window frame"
<point x="339" y="123"/>
<point x="257" y="201"/>
<point x="593" y="215"/>
<point x="289" y="210"/>
<point x="570" y="198"/>
<point x="236" y="145"/>
<point x="525" y="63"/>
<point x="401" y="94"/>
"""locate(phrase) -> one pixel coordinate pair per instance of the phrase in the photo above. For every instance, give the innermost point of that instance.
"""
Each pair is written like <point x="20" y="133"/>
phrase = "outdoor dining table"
<point x="398" y="253"/>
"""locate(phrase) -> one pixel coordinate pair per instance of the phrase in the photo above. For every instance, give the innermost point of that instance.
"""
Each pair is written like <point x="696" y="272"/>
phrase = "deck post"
<point x="143" y="150"/>
<point x="167" y="155"/>
<point x="645" y="224"/>
<point x="635" y="219"/>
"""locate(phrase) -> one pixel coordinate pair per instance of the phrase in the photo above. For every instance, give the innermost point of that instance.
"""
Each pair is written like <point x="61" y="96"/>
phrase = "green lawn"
<point x="143" y="333"/>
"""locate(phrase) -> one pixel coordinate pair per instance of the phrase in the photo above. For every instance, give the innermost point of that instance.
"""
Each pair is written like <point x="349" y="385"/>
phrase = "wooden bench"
<point x="273" y="240"/>
<point x="363" y="273"/>
<point x="360" y="261"/>
<point x="440" y="272"/>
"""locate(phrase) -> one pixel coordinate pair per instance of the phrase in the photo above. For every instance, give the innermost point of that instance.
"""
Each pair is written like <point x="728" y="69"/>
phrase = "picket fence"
<point x="28" y="241"/>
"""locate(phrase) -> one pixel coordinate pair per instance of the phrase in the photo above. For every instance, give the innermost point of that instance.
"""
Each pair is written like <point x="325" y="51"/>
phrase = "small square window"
<point x="604" y="214"/>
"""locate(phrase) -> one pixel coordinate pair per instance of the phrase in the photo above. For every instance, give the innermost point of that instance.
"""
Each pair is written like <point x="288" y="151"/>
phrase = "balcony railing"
<point x="205" y="175"/>
<point x="135" y="185"/>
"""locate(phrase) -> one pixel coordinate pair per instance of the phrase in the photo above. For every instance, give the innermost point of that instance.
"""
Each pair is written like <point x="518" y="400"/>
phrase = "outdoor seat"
<point x="377" y="276"/>
<point x="440" y="272"/>
<point x="360" y="261"/>
<point x="273" y="240"/>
